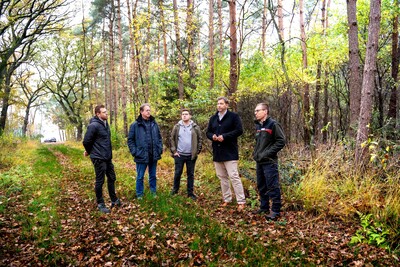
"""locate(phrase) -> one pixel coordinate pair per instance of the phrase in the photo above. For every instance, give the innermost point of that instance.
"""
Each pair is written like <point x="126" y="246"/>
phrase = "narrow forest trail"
<point x="140" y="234"/>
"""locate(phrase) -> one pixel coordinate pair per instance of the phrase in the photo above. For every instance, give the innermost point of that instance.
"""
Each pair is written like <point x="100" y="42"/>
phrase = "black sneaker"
<point x="102" y="208"/>
<point x="193" y="196"/>
<point x="116" y="203"/>
<point x="174" y="192"/>
<point x="260" y="211"/>
<point x="272" y="216"/>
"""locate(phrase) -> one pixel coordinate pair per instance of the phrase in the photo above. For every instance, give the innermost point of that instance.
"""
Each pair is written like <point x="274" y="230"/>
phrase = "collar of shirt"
<point x="221" y="115"/>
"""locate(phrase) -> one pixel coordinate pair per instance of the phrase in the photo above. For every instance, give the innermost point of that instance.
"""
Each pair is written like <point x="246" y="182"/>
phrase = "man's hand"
<point x="176" y="154"/>
<point x="220" y="138"/>
<point x="85" y="154"/>
<point x="215" y="138"/>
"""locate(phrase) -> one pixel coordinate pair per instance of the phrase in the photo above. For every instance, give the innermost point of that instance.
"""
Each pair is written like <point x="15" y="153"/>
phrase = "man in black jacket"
<point x="270" y="139"/>
<point x="223" y="130"/>
<point x="97" y="143"/>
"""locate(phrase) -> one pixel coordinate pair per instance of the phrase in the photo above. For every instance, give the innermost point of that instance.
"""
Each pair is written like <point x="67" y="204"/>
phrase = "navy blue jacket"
<point x="97" y="140"/>
<point x="138" y="141"/>
<point x="230" y="127"/>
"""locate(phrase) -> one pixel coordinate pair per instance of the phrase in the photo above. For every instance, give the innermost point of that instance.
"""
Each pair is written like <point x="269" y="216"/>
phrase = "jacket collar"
<point x="141" y="120"/>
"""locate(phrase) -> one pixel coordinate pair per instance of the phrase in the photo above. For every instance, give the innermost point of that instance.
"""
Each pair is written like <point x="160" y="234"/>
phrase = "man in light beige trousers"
<point x="223" y="130"/>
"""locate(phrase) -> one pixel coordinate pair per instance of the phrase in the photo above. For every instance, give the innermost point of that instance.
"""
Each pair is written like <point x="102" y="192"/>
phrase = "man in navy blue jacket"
<point x="97" y="143"/>
<point x="145" y="145"/>
<point x="223" y="130"/>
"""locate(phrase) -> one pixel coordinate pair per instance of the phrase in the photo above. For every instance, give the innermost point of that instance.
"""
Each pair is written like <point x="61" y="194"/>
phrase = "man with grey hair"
<point x="223" y="130"/>
<point x="145" y="145"/>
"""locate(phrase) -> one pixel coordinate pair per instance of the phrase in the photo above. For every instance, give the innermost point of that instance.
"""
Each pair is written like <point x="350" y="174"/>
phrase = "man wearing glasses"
<point x="270" y="139"/>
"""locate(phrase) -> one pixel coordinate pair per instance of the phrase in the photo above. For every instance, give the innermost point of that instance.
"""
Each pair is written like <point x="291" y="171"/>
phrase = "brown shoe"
<point x="241" y="207"/>
<point x="224" y="204"/>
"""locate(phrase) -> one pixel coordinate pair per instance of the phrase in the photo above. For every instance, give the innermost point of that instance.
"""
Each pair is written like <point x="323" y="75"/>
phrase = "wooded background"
<point x="330" y="76"/>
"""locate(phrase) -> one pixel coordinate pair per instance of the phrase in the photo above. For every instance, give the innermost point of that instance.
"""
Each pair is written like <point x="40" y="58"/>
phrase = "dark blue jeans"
<point x="140" y="170"/>
<point x="268" y="186"/>
<point x="104" y="168"/>
<point x="190" y="164"/>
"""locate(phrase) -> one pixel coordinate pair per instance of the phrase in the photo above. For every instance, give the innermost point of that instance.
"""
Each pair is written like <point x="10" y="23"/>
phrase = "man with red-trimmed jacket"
<point x="270" y="139"/>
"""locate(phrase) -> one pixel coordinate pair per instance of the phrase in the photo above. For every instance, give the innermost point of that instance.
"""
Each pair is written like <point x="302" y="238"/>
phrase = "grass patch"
<point x="205" y="235"/>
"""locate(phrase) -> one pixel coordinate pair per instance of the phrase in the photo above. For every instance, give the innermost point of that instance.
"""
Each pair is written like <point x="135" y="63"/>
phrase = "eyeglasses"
<point x="257" y="110"/>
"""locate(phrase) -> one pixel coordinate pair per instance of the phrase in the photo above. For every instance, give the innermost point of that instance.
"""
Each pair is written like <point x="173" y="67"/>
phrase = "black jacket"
<point x="138" y="144"/>
<point x="270" y="139"/>
<point x="97" y="140"/>
<point x="230" y="127"/>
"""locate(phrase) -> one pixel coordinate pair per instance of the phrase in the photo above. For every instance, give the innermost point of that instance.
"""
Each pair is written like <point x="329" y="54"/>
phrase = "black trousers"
<point x="190" y="164"/>
<point x="268" y="186"/>
<point x="104" y="168"/>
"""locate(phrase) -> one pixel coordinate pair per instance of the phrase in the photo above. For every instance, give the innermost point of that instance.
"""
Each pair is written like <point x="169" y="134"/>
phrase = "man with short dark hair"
<point x="97" y="143"/>
<point x="223" y="130"/>
<point x="270" y="139"/>
<point x="186" y="143"/>
<point x="145" y="145"/>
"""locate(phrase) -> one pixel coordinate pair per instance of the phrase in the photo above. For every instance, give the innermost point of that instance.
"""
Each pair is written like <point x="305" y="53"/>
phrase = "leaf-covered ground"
<point x="144" y="233"/>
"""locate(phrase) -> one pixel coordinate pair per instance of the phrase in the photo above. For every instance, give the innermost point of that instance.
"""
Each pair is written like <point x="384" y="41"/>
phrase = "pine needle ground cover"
<point x="48" y="217"/>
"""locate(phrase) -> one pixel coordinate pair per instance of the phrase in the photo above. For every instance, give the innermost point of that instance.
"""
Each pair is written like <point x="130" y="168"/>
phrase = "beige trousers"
<point x="229" y="170"/>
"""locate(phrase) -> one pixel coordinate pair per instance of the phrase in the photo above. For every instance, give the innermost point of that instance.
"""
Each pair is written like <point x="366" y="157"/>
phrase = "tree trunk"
<point x="325" y="119"/>
<point x="233" y="76"/>
<point x="368" y="80"/>
<point x="211" y="42"/>
<point x="190" y="34"/>
<point x="5" y="104"/>
<point x="221" y="41"/>
<point x="133" y="92"/>
<point x="318" y="86"/>
<point x="264" y="27"/>
<point x="392" y="113"/>
<point x="355" y="79"/>
<point x="306" y="86"/>
<point x="179" y="51"/>
<point x="107" y="100"/>
<point x="122" y="70"/>
<point x="164" y="31"/>
<point x="280" y="19"/>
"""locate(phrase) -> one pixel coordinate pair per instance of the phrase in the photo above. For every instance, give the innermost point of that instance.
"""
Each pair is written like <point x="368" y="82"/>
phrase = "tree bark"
<point x="211" y="42"/>
<point x="264" y="27"/>
<point x="179" y="51"/>
<point x="221" y="41"/>
<point x="368" y="81"/>
<point x="190" y="34"/>
<point x="233" y="76"/>
<point x="355" y="79"/>
<point x="306" y="86"/>
<point x="122" y="71"/>
<point x="280" y="19"/>
<point x="164" y="31"/>
<point x="392" y="113"/>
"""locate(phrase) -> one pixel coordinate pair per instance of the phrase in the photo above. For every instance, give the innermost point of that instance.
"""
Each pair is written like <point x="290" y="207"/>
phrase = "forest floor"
<point x="158" y="232"/>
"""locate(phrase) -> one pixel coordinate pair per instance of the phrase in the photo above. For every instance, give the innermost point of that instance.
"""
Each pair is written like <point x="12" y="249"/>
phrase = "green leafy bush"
<point x="371" y="232"/>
